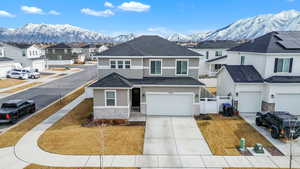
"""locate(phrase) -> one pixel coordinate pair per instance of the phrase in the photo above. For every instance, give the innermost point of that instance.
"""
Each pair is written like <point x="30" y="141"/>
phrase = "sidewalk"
<point x="28" y="150"/>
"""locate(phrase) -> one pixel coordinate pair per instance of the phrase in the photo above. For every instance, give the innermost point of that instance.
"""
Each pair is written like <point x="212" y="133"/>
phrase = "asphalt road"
<point x="46" y="94"/>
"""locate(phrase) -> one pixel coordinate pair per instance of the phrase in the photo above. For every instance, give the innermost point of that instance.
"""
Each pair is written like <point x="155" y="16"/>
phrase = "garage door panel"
<point x="288" y="102"/>
<point x="249" y="101"/>
<point x="169" y="104"/>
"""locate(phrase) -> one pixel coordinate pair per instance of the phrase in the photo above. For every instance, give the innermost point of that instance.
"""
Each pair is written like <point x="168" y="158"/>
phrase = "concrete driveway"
<point x="174" y="136"/>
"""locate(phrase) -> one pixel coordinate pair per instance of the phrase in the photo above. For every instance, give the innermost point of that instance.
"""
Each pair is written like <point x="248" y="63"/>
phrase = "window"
<point x="127" y="64"/>
<point x="120" y="64"/>
<point x="23" y="53"/>
<point x="283" y="65"/>
<point x="66" y="51"/>
<point x="155" y="67"/>
<point x="242" y="60"/>
<point x="1" y="52"/>
<point x="181" y="67"/>
<point x="113" y="64"/>
<point x="218" y="53"/>
<point x="207" y="54"/>
<point x="110" y="98"/>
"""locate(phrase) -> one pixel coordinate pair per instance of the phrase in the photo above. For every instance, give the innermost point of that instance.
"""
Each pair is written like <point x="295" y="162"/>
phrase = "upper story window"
<point x="23" y="53"/>
<point x="181" y="67"/>
<point x="218" y="53"/>
<point x="207" y="54"/>
<point x="120" y="64"/>
<point x="66" y="51"/>
<point x="110" y="98"/>
<point x="155" y="67"/>
<point x="283" y="65"/>
<point x="243" y="58"/>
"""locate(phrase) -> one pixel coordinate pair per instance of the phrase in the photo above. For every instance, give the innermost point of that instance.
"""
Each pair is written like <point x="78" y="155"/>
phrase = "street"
<point x="46" y="94"/>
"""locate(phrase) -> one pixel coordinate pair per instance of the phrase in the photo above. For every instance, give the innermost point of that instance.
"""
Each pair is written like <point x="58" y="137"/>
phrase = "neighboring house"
<point x="214" y="55"/>
<point x="29" y="56"/>
<point x="150" y="75"/>
<point x="264" y="74"/>
<point x="92" y="50"/>
<point x="60" y="51"/>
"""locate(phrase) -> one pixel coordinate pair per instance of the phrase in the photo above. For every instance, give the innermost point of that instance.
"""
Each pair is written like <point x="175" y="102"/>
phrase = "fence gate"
<point x="213" y="105"/>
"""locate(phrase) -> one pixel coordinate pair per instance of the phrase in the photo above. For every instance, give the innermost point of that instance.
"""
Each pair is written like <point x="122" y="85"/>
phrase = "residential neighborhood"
<point x="150" y="85"/>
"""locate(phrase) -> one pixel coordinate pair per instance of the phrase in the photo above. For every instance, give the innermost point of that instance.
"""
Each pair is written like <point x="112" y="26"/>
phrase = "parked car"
<point x="12" y="110"/>
<point x="33" y="74"/>
<point x="17" y="75"/>
<point x="282" y="124"/>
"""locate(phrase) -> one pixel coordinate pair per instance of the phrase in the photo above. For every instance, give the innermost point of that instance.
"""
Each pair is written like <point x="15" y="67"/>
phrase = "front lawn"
<point x="10" y="82"/>
<point x="68" y="136"/>
<point x="223" y="134"/>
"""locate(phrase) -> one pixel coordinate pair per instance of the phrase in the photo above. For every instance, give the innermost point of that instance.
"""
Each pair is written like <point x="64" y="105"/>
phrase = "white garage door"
<point x="169" y="104"/>
<point x="4" y="69"/>
<point x="288" y="102"/>
<point x="249" y="102"/>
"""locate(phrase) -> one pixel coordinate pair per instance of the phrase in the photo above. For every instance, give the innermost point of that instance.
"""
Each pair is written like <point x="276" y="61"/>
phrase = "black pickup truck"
<point x="282" y="124"/>
<point x="12" y="110"/>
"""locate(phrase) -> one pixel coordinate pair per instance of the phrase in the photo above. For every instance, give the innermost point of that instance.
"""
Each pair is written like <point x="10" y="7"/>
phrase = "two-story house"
<point x="214" y="55"/>
<point x="28" y="55"/>
<point x="60" y="51"/>
<point x="264" y="74"/>
<point x="150" y="75"/>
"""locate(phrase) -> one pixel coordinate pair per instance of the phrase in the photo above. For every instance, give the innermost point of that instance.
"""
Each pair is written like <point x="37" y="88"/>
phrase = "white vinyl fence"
<point x="213" y="105"/>
<point x="60" y="62"/>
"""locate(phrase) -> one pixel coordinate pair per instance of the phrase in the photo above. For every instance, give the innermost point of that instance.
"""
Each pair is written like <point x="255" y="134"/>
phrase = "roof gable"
<point x="244" y="74"/>
<point x="112" y="80"/>
<point x="149" y="46"/>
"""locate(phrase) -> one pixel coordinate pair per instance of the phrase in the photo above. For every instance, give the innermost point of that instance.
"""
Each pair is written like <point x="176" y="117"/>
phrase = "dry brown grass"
<point x="223" y="134"/>
<point x="35" y="166"/>
<point x="68" y="136"/>
<point x="23" y="87"/>
<point x="13" y="135"/>
<point x="58" y="69"/>
<point x="10" y="82"/>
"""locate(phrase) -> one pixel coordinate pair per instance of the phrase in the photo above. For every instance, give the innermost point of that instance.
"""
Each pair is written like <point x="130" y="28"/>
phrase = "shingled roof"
<point x="273" y="42"/>
<point x="283" y="79"/>
<point x="115" y="80"/>
<point x="244" y="74"/>
<point x="218" y="44"/>
<point x="5" y="59"/>
<point x="149" y="46"/>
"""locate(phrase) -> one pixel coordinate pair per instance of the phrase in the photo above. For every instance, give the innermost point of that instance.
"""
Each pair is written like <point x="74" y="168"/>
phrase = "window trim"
<point x="117" y="65"/>
<point x="217" y="52"/>
<point x="105" y="97"/>
<point x="290" y="68"/>
<point x="161" y="67"/>
<point x="187" y="67"/>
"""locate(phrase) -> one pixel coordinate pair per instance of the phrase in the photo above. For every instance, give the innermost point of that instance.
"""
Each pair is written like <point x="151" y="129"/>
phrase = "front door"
<point x="136" y="99"/>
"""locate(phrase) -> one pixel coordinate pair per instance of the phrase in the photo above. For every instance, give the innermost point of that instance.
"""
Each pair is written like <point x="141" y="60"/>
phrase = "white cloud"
<point x="105" y="13"/>
<point x="134" y="6"/>
<point x="32" y="10"/>
<point x="6" y="14"/>
<point x="53" y="12"/>
<point x="108" y="4"/>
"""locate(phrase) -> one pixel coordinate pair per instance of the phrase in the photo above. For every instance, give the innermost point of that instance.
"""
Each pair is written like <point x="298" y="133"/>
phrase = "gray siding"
<point x="121" y="111"/>
<point x="135" y="71"/>
<point x="17" y="55"/>
<point x="169" y="68"/>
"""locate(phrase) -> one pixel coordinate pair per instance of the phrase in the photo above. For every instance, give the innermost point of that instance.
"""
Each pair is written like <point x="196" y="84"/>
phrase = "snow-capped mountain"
<point x="51" y="33"/>
<point x="253" y="27"/>
<point x="124" y="38"/>
<point x="242" y="29"/>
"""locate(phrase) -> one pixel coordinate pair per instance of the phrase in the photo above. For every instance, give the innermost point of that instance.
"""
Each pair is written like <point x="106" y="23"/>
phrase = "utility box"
<point x="259" y="149"/>
<point x="242" y="144"/>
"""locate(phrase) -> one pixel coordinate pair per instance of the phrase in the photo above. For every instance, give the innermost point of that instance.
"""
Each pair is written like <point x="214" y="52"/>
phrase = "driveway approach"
<point x="46" y="94"/>
<point x="174" y="136"/>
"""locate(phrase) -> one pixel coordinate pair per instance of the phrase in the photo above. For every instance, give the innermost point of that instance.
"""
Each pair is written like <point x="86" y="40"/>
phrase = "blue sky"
<point x="122" y="16"/>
